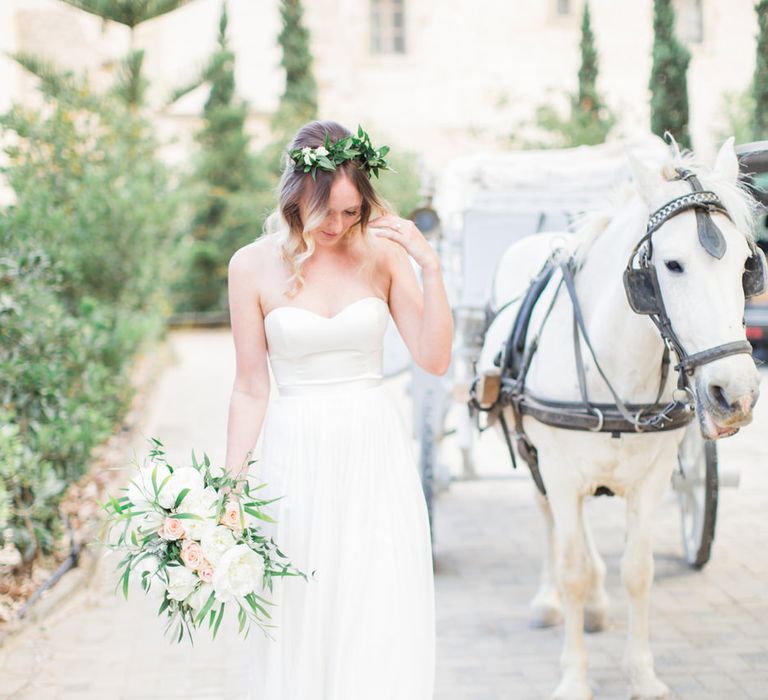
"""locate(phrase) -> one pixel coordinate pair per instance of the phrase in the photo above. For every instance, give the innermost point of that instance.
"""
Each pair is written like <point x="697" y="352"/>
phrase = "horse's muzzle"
<point x="720" y="413"/>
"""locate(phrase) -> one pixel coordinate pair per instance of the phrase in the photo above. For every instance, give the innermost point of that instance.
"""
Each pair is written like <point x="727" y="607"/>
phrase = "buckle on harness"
<point x="600" y="419"/>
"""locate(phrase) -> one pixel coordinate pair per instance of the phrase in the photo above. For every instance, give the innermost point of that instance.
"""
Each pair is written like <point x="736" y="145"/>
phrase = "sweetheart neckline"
<point x="326" y="318"/>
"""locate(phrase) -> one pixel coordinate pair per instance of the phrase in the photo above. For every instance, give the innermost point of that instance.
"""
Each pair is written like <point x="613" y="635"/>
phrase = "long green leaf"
<point x="180" y="497"/>
<point x="208" y="604"/>
<point x="218" y="620"/>
<point x="164" y="605"/>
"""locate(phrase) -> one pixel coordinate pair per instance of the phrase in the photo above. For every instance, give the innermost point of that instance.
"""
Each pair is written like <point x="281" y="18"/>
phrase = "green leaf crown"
<point x="328" y="156"/>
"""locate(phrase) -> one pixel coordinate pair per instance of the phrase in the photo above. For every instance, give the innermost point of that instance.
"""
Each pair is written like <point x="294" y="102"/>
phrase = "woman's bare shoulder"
<point x="253" y="266"/>
<point x="388" y="252"/>
<point x="255" y="256"/>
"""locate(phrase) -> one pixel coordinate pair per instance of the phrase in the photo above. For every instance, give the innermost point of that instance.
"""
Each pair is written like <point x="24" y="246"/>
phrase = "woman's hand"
<point x="407" y="234"/>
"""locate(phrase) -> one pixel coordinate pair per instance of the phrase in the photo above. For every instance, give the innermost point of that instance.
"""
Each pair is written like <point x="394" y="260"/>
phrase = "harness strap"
<point x="574" y="415"/>
<point x="690" y="362"/>
<point x="710" y="236"/>
<point x="581" y="329"/>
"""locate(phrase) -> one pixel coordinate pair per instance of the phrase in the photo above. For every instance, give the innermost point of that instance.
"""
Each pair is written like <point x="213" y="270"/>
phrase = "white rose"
<point x="239" y="572"/>
<point x="182" y="478"/>
<point x="215" y="542"/>
<point x="199" y="598"/>
<point x="203" y="502"/>
<point x="181" y="582"/>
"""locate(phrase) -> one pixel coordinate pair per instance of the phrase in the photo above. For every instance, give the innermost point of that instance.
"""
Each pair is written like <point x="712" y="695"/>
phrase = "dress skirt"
<point x="353" y="515"/>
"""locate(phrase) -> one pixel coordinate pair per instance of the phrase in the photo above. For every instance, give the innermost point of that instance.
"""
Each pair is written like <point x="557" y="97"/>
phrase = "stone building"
<point x="440" y="78"/>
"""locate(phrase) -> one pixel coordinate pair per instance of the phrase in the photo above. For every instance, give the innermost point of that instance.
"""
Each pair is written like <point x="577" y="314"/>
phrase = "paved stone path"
<point x="709" y="628"/>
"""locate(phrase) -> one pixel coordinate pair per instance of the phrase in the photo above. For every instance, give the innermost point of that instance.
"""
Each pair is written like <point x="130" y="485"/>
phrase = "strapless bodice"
<point x="311" y="353"/>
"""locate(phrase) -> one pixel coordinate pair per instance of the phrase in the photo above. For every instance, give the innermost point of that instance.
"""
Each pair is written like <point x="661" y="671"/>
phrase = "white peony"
<point x="199" y="598"/>
<point x="216" y="542"/>
<point x="202" y="502"/>
<point x="181" y="582"/>
<point x="239" y="572"/>
<point x="182" y="478"/>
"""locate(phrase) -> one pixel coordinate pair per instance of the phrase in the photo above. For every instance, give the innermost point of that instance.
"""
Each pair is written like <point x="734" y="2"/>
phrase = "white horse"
<point x="704" y="300"/>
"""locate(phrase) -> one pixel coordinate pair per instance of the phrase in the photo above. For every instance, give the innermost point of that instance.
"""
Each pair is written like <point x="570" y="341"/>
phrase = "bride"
<point x="314" y="296"/>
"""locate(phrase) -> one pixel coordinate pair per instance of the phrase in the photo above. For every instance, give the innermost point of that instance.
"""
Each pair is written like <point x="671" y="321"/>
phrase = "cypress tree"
<point x="588" y="99"/>
<point x="760" y="81"/>
<point x="590" y="120"/>
<point x="668" y="83"/>
<point x="299" y="100"/>
<point x="298" y="103"/>
<point x="228" y="214"/>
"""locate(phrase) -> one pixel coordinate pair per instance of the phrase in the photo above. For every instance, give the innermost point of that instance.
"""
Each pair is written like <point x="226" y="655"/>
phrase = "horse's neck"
<point x="627" y="346"/>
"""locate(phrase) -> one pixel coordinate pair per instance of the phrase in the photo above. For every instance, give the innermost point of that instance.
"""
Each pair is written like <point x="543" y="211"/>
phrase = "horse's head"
<point x="691" y="274"/>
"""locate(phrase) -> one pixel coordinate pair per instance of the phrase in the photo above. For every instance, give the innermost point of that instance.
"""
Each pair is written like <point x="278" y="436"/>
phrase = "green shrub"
<point x="86" y="256"/>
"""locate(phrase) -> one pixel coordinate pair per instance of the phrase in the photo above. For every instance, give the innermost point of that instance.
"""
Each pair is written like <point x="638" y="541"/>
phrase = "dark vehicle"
<point x="753" y="160"/>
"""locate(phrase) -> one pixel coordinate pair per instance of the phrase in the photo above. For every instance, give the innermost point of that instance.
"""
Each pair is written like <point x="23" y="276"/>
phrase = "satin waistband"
<point x="340" y="387"/>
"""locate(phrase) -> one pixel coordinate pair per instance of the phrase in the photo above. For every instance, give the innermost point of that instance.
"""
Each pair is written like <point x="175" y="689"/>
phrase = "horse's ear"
<point x="646" y="180"/>
<point x="726" y="163"/>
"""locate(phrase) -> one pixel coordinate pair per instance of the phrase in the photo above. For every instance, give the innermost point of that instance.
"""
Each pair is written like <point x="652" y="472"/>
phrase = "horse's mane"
<point x="737" y="198"/>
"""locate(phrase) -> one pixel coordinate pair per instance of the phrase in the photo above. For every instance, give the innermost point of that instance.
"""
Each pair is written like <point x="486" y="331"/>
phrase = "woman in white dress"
<point x="313" y="297"/>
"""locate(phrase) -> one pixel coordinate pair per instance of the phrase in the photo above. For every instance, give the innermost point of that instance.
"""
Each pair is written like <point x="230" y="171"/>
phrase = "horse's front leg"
<point x="546" y="609"/>
<point x="574" y="577"/>
<point x="596" y="607"/>
<point x="637" y="570"/>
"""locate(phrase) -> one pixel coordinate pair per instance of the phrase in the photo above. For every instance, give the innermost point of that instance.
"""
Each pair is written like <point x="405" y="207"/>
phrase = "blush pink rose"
<point x="205" y="571"/>
<point x="231" y="516"/>
<point x="191" y="554"/>
<point x="171" y="529"/>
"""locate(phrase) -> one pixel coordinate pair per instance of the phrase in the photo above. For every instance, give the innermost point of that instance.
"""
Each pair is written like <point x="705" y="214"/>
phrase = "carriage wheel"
<point x="696" y="485"/>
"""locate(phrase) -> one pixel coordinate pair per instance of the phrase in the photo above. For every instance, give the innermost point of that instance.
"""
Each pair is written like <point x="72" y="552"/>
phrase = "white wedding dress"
<point x="338" y="450"/>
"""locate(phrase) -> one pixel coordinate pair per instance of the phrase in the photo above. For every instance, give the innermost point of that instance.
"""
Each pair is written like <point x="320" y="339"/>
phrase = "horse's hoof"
<point x="652" y="689"/>
<point x="573" y="690"/>
<point x="545" y="615"/>
<point x="595" y="619"/>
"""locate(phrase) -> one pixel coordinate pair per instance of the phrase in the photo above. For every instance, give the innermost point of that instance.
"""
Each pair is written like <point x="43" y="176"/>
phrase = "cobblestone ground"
<point x="709" y="628"/>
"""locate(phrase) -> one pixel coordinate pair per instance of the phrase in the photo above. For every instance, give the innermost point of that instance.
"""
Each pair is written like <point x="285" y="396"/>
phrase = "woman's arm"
<point x="423" y="316"/>
<point x="250" y="392"/>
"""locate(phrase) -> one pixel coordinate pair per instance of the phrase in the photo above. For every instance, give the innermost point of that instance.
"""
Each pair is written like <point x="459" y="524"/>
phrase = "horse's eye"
<point x="673" y="266"/>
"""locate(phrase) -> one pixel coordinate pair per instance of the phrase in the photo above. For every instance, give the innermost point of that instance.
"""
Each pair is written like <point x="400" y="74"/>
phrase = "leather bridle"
<point x="642" y="284"/>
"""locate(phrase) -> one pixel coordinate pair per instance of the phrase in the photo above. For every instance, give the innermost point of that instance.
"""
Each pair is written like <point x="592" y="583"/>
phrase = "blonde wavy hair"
<point x="297" y="188"/>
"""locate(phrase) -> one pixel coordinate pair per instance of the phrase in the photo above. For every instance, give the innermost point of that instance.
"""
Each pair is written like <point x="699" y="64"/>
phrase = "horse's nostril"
<point x="745" y="404"/>
<point x="718" y="395"/>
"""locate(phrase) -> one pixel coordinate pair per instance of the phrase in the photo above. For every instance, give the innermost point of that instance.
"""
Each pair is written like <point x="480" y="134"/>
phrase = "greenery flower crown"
<point x="351" y="147"/>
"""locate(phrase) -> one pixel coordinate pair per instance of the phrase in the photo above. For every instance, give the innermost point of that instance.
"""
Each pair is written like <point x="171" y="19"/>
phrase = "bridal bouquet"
<point x="196" y="543"/>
